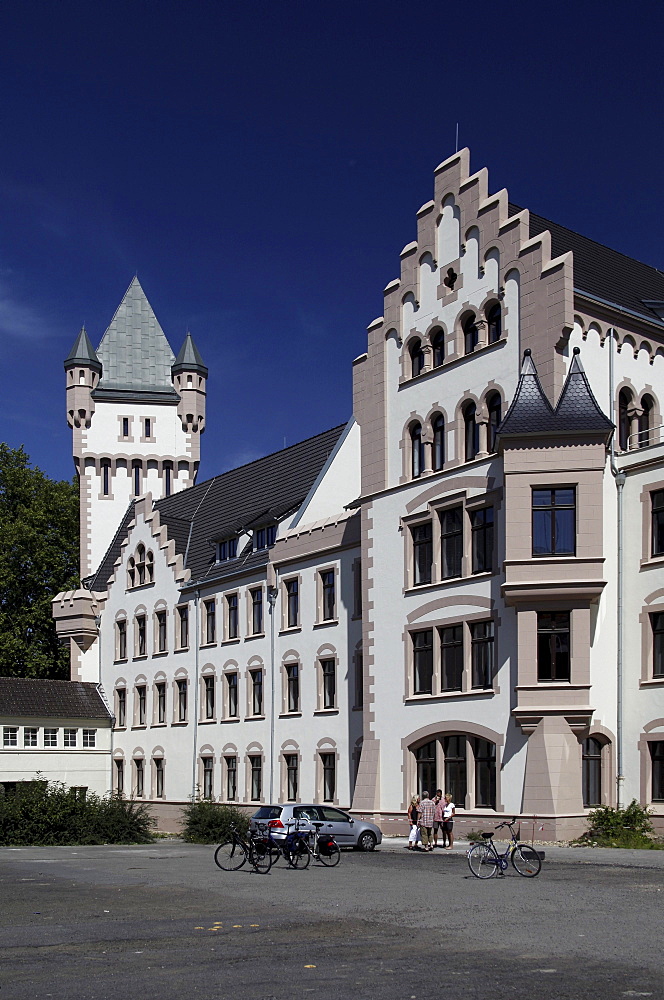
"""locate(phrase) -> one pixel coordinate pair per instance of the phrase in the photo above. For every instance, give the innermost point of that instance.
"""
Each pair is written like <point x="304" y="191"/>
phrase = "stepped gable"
<point x="577" y="410"/>
<point x="31" y="697"/>
<point x="602" y="272"/>
<point x="251" y="496"/>
<point x="134" y="352"/>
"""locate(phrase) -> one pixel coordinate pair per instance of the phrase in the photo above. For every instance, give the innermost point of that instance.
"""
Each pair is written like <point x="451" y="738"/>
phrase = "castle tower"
<point x="136" y="414"/>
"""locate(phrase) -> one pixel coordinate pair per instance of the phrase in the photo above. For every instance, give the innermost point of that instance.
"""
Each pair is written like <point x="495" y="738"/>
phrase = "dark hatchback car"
<point x="347" y="831"/>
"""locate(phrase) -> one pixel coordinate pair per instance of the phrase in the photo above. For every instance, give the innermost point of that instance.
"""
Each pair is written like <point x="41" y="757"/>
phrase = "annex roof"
<point x="604" y="273"/>
<point x="258" y="494"/>
<point x="22" y="697"/>
<point x="577" y="410"/>
<point x="134" y="351"/>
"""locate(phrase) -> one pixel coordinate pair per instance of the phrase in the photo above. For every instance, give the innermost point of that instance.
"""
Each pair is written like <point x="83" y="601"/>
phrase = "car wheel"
<point x="366" y="841"/>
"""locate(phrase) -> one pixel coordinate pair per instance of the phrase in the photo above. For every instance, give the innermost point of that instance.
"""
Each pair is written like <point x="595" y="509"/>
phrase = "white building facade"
<point x="461" y="589"/>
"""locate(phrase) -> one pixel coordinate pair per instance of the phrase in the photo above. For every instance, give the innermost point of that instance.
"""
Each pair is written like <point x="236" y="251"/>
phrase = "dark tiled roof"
<point x="25" y="698"/>
<point x="251" y="496"/>
<point x="601" y="271"/>
<point x="189" y="358"/>
<point x="576" y="412"/>
<point x="83" y="352"/>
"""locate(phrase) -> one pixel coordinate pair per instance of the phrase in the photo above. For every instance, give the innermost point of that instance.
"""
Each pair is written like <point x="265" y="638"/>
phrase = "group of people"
<point x="429" y="816"/>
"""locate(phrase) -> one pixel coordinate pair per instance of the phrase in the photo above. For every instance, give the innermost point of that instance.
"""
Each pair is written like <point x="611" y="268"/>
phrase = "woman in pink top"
<point x="438" y="816"/>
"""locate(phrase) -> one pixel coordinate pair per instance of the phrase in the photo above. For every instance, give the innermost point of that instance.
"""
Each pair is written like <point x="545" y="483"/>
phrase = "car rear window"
<point x="268" y="812"/>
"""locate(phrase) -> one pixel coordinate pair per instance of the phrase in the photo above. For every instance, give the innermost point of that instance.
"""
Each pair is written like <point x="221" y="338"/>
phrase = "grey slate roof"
<point x="189" y="358"/>
<point x="134" y="352"/>
<point x="23" y="697"/>
<point x="602" y="272"/>
<point x="251" y="496"/>
<point x="83" y="352"/>
<point x="576" y="412"/>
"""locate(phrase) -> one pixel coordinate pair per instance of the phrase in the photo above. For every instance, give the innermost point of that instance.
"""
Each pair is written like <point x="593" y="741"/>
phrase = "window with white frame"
<point x="292" y="677"/>
<point x="481" y="527"/>
<point x="210" y="613"/>
<point x="226" y="549"/>
<point x="256" y="677"/>
<point x="208" y="682"/>
<point x="256" y="596"/>
<point x="160" y="688"/>
<point x="422" y="661"/>
<point x="89" y="738"/>
<point x="181" y="685"/>
<point x="141" y="636"/>
<point x="657" y="522"/>
<point x="232" y="702"/>
<point x="328" y="675"/>
<point x="656" y="748"/>
<point x="328" y="595"/>
<point x="208" y="777"/>
<point x="119" y="776"/>
<point x="159" y="776"/>
<point x="141" y="704"/>
<point x="232" y="622"/>
<point x="161" y="631"/>
<point x="451" y="542"/>
<point x="120" y="708"/>
<point x="292" y="776"/>
<point x="139" y="775"/>
<point x="458" y="656"/>
<point x="554" y="521"/>
<point x="657" y="626"/>
<point x="422" y="540"/>
<point x="121" y="640"/>
<point x="481" y="654"/>
<point x="10" y="736"/>
<point x="183" y="626"/>
<point x="466" y="765"/>
<point x="553" y="646"/>
<point x="70" y="737"/>
<point x="329" y="769"/>
<point x="231" y="778"/>
<point x="256" y="767"/>
<point x="292" y="588"/>
<point x="50" y="737"/>
<point x="591" y="783"/>
<point x="30" y="736"/>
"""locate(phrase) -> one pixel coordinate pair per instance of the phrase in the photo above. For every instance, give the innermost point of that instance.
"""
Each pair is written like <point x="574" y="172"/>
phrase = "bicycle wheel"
<point x="300" y="856"/>
<point x="261" y="856"/>
<point x="526" y="860"/>
<point x="482" y="861"/>
<point x="230" y="856"/>
<point x="332" y="855"/>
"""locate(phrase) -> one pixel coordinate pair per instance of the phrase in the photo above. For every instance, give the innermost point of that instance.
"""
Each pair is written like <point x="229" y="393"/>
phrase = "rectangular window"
<point x="210" y="621"/>
<point x="105" y="470"/>
<point x="121" y="696"/>
<point x="553" y="646"/>
<point x="482" y="539"/>
<point x="119" y="776"/>
<point x="70" y="737"/>
<point x="138" y="477"/>
<point x="481" y="654"/>
<point x="232" y="617"/>
<point x="329" y="765"/>
<point x="451" y="540"/>
<point x="148" y="427"/>
<point x="328" y="595"/>
<point x="270" y="535"/>
<point x="141" y="696"/>
<point x="209" y="697"/>
<point x="141" y="644"/>
<point x="50" y="737"/>
<point x="451" y="657"/>
<point x="257" y="611"/>
<point x="657" y="501"/>
<point x="10" y="736"/>
<point x="657" y="624"/>
<point x="231" y="687"/>
<point x="30" y="737"/>
<point x="121" y="635"/>
<point x="291" y="776"/>
<point x="292" y="603"/>
<point x="456" y="781"/>
<point x="161" y="631"/>
<point x="422" y="553"/>
<point x="657" y="763"/>
<point x="231" y="778"/>
<point x="422" y="661"/>
<point x="554" y="521"/>
<point x="226" y="549"/>
<point x="359" y="680"/>
<point x="161" y="702"/>
<point x="140" y="779"/>
<point x="208" y="777"/>
<point x="182" y="700"/>
<point x="485" y="773"/>
<point x="259" y="539"/>
<point x="425" y="757"/>
<point x="256" y="692"/>
<point x="89" y="738"/>
<point x="256" y="778"/>
<point x="159" y="777"/>
<point x="293" y="687"/>
<point x="357" y="589"/>
<point x="329" y="679"/>
<point x="168" y="479"/>
<point x="125" y="427"/>
<point x="183" y="625"/>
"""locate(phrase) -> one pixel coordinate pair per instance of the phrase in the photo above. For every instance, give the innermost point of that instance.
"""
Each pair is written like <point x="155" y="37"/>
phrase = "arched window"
<point x="494" y="408"/>
<point x="140" y="564"/>
<point x="470" y="335"/>
<point x="624" y="401"/>
<point x="150" y="567"/>
<point x="416" y="358"/>
<point x="494" y="319"/>
<point x="131" y="572"/>
<point x="645" y="421"/>
<point x="592" y="772"/>
<point x="438" y="442"/>
<point x="417" y="451"/>
<point x="438" y="345"/>
<point x="426" y="768"/>
<point x="471" y="432"/>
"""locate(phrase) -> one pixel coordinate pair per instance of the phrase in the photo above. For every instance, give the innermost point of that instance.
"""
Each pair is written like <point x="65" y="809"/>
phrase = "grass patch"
<point x="211" y="822"/>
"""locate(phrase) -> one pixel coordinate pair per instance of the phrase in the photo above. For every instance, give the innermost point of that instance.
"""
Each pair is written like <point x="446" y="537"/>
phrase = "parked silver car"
<point x="347" y="831"/>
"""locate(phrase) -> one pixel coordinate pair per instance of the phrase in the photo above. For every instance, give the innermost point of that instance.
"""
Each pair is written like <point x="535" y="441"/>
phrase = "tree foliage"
<point x="38" y="558"/>
<point x="212" y="823"/>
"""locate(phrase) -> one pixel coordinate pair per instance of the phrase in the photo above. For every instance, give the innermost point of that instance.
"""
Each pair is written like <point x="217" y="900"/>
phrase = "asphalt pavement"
<point x="161" y="921"/>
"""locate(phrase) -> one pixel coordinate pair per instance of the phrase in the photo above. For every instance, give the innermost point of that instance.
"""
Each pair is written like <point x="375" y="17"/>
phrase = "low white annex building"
<point x="462" y="588"/>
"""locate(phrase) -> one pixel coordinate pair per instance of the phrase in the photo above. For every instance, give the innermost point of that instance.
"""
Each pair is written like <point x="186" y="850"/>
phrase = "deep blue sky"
<point x="260" y="165"/>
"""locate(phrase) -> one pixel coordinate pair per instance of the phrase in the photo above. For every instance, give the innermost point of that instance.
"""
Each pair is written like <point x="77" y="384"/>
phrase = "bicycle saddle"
<point x="487" y="835"/>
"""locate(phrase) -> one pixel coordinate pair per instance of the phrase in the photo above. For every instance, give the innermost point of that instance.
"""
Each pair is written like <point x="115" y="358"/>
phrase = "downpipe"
<point x="619" y="478"/>
<point x="196" y="694"/>
<point x="272" y="600"/>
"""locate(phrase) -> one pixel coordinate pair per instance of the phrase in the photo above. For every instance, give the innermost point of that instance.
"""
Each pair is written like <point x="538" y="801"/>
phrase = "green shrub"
<point x="47" y="813"/>
<point x="474" y="836"/>
<point x="211" y="823"/>
<point x="629" y="828"/>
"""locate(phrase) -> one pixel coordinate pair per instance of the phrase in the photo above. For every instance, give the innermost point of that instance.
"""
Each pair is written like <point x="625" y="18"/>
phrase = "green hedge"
<point x="210" y="823"/>
<point x="629" y="827"/>
<point x="45" y="813"/>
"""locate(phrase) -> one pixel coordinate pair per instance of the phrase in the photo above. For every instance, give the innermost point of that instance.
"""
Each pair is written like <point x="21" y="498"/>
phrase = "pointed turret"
<point x="530" y="412"/>
<point x="83" y="370"/>
<point x="577" y="406"/>
<point x="189" y="377"/>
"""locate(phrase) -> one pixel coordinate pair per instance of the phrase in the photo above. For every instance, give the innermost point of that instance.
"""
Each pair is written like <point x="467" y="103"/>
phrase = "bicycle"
<point x="324" y="847"/>
<point x="294" y="847"/>
<point x="485" y="861"/>
<point x="234" y="853"/>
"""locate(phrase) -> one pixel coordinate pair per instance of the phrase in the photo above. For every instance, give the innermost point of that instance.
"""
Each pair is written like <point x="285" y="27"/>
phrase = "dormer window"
<point x="227" y="549"/>
<point x="264" y="538"/>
